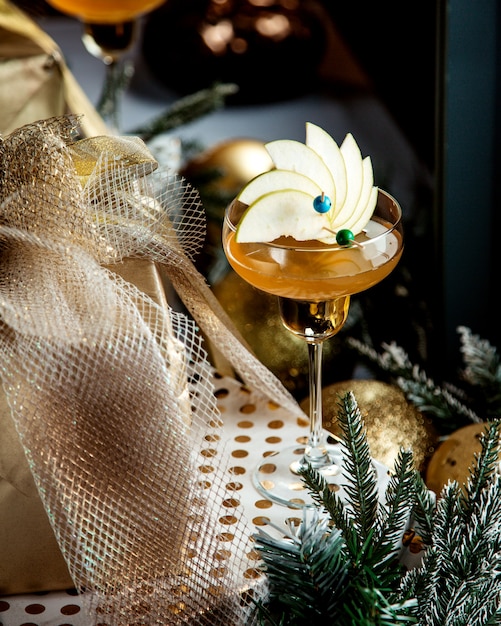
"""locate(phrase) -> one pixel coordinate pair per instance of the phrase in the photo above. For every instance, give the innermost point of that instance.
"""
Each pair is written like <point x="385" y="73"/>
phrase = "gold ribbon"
<point x="110" y="393"/>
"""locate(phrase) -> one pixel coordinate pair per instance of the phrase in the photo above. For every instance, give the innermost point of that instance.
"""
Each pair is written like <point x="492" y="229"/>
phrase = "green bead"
<point x="345" y="237"/>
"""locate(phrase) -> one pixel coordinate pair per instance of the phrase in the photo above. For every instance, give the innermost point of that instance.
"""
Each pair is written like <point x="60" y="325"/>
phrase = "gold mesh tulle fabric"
<point x="110" y="392"/>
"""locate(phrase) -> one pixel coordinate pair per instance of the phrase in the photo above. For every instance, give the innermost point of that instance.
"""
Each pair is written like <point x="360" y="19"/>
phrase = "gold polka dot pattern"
<point x="249" y="442"/>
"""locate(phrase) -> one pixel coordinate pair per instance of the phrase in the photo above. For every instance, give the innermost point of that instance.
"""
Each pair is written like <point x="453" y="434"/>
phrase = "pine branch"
<point x="350" y="580"/>
<point x="400" y="498"/>
<point x="483" y="365"/>
<point x="186" y="110"/>
<point x="334" y="506"/>
<point x="439" y="402"/>
<point x="372" y="539"/>
<point x="360" y="474"/>
<point x="482" y="369"/>
<point x="447" y="534"/>
<point x="307" y="573"/>
<point x="459" y="581"/>
<point x="358" y="518"/>
<point x="393" y="359"/>
<point x="446" y="404"/>
<point x="324" y="497"/>
<point x="484" y="468"/>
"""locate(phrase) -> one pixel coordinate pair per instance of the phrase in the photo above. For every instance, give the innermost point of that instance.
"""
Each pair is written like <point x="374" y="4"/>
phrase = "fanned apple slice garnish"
<point x="277" y="180"/>
<point x="327" y="149"/>
<point x="288" y="154"/>
<point x="284" y="213"/>
<point x="316" y="190"/>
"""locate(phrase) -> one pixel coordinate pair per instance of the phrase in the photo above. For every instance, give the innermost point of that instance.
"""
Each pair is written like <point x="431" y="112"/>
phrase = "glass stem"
<point x="117" y="78"/>
<point x="316" y="453"/>
<point x="111" y="43"/>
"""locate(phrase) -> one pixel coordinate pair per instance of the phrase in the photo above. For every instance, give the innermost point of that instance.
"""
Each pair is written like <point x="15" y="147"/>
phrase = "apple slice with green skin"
<point x="284" y="213"/>
<point x="288" y="154"/>
<point x="328" y="150"/>
<point x="365" y="216"/>
<point x="277" y="180"/>
<point x="354" y="178"/>
<point x="362" y="206"/>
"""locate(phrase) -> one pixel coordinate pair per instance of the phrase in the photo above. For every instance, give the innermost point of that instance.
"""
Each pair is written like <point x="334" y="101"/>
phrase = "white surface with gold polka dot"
<point x="254" y="428"/>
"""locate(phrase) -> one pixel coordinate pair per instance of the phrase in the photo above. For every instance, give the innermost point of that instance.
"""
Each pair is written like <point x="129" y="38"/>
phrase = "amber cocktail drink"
<point x="105" y="11"/>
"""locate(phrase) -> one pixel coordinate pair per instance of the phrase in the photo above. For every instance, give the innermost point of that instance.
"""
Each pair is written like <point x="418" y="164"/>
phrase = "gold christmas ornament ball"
<point x="391" y="421"/>
<point x="237" y="161"/>
<point x="454" y="457"/>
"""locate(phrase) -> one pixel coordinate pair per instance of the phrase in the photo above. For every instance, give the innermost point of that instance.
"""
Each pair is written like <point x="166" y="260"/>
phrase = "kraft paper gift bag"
<point x="30" y="558"/>
<point x="35" y="82"/>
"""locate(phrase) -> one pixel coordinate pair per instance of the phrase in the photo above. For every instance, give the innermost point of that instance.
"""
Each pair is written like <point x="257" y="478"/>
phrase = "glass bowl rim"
<point x="329" y="247"/>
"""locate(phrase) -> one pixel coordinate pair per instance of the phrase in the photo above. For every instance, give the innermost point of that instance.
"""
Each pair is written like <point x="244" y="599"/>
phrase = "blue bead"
<point x="344" y="237"/>
<point x="322" y="203"/>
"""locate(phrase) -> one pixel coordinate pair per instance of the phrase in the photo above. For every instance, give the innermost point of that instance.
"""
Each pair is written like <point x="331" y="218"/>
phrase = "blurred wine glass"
<point x="110" y="29"/>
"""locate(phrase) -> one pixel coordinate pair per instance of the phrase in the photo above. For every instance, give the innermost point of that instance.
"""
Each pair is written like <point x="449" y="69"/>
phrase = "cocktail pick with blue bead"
<point x="322" y="203"/>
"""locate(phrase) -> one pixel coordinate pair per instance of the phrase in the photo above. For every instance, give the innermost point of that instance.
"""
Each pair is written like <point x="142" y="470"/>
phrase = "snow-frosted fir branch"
<point x="444" y="402"/>
<point x="483" y="365"/>
<point x="458" y="581"/>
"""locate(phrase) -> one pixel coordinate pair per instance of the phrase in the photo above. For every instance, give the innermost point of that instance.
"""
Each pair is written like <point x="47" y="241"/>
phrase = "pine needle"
<point x="449" y="405"/>
<point x="186" y="110"/>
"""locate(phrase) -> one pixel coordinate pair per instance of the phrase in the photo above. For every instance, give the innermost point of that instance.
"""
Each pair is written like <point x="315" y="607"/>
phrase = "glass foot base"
<point x="276" y="477"/>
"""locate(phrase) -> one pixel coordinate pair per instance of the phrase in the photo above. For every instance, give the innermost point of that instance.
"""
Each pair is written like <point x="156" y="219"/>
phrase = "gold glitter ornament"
<point x="236" y="161"/>
<point x="391" y="421"/>
<point x="454" y="457"/>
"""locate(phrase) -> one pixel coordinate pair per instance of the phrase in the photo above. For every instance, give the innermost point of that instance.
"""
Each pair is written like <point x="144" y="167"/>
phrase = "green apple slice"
<point x="328" y="150"/>
<point x="277" y="180"/>
<point x="288" y="154"/>
<point x="365" y="216"/>
<point x="284" y="213"/>
<point x="360" y="208"/>
<point x="354" y="178"/>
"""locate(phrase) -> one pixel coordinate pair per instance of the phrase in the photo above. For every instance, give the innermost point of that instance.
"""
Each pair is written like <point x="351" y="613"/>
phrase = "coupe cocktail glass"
<point x="313" y="282"/>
